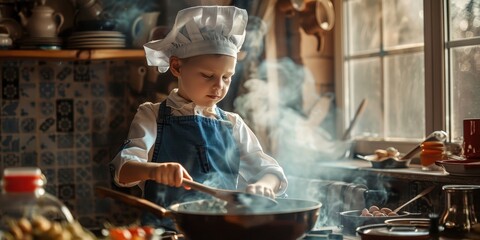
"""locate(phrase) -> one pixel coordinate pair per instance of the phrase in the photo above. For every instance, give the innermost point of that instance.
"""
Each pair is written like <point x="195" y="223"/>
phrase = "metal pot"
<point x="351" y="220"/>
<point x="289" y="219"/>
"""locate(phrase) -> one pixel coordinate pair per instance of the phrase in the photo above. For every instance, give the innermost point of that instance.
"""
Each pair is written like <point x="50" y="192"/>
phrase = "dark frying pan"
<point x="289" y="219"/>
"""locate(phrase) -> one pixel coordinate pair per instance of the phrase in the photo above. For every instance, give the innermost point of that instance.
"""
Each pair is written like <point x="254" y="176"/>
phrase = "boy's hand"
<point x="170" y="174"/>
<point x="260" y="189"/>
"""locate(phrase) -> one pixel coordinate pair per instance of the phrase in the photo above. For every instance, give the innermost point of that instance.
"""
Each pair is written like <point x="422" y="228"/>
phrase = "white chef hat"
<point x="197" y="31"/>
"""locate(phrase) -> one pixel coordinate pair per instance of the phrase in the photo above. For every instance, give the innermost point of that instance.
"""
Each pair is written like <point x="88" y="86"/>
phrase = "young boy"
<point x="187" y="136"/>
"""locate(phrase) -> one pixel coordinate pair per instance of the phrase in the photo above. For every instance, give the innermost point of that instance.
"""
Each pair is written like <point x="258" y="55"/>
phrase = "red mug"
<point x="471" y="138"/>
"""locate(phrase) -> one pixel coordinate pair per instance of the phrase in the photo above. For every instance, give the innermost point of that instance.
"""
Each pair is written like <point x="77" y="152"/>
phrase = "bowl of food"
<point x="351" y="220"/>
<point x="386" y="158"/>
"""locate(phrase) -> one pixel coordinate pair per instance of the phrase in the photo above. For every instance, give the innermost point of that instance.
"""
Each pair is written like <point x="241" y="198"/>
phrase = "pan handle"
<point x="133" y="201"/>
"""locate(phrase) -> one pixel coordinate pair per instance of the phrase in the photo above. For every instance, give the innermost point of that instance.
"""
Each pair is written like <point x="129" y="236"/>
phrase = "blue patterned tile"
<point x="47" y="108"/>
<point x="83" y="174"/>
<point x="47" y="90"/>
<point x="48" y="141"/>
<point x="98" y="89"/>
<point x="65" y="72"/>
<point x="99" y="71"/>
<point x="47" y="125"/>
<point x="28" y="90"/>
<point x="64" y="125"/>
<point x="28" y="142"/>
<point x="65" y="115"/>
<point x="10" y="143"/>
<point x="82" y="107"/>
<point x="84" y="190"/>
<point x="82" y="124"/>
<point x="99" y="107"/>
<point x="50" y="175"/>
<point x="66" y="191"/>
<point x="65" y="175"/>
<point x="10" y="125"/>
<point x="65" y="141"/>
<point x="83" y="157"/>
<point x="65" y="158"/>
<point x="28" y="125"/>
<point x="65" y="90"/>
<point x="82" y="140"/>
<point x="46" y="72"/>
<point x="100" y="124"/>
<point x="81" y="72"/>
<point x="29" y="159"/>
<point x="47" y="159"/>
<point x="28" y="108"/>
<point x="10" y="108"/>
<point x="81" y="89"/>
<point x="10" y="82"/>
<point x="11" y="160"/>
<point x="28" y="71"/>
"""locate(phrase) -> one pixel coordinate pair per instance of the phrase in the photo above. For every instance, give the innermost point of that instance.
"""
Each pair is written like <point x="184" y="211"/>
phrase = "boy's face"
<point x="204" y="79"/>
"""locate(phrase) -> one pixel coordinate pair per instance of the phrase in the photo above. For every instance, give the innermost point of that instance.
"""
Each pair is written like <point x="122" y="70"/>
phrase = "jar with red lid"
<point x="23" y="196"/>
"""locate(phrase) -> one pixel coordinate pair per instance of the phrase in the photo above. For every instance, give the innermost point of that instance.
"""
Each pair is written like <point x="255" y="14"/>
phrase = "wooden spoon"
<point x="233" y="197"/>
<point x="423" y="193"/>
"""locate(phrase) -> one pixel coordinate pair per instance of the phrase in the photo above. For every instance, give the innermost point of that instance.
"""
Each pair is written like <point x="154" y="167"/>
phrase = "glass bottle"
<point x="23" y="196"/>
<point x="459" y="219"/>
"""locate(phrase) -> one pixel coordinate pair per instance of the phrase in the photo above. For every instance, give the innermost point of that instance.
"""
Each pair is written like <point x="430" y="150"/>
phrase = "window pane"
<point x="363" y="29"/>
<point x="464" y="19"/>
<point x="365" y="82"/>
<point x="405" y="92"/>
<point x="465" y="92"/>
<point x="402" y="22"/>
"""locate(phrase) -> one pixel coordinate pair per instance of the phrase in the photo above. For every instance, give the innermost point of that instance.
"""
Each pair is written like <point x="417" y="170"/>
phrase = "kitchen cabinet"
<point x="75" y="54"/>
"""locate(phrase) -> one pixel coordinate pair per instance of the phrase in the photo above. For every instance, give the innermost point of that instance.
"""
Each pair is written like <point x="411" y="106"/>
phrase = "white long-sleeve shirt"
<point x="254" y="163"/>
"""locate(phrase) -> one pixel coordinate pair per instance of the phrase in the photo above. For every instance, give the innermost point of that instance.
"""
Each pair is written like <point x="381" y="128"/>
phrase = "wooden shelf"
<point x="75" y="54"/>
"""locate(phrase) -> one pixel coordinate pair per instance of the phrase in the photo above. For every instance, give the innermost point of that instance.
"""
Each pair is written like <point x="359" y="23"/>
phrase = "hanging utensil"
<point x="234" y="197"/>
<point x="359" y="111"/>
<point x="423" y="193"/>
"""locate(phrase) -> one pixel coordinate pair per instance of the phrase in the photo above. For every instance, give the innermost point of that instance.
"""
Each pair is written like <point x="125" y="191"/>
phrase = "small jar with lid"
<point x="432" y="151"/>
<point x="24" y="197"/>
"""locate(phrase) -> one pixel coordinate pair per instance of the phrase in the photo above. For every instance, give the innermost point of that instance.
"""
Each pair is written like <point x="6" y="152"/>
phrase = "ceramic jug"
<point x="44" y="21"/>
<point x="5" y="40"/>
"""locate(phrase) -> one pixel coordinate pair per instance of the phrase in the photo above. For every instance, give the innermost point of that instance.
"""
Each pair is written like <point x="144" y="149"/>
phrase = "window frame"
<point x="435" y="87"/>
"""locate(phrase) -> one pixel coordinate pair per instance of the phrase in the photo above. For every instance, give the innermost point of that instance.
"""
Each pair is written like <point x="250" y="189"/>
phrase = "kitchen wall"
<point x="70" y="117"/>
<point x="67" y="118"/>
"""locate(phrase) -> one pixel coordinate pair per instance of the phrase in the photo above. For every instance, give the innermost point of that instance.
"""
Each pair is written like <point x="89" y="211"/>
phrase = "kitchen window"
<point x="416" y="62"/>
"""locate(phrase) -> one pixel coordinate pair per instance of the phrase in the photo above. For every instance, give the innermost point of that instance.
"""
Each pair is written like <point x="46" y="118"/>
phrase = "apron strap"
<point x="164" y="111"/>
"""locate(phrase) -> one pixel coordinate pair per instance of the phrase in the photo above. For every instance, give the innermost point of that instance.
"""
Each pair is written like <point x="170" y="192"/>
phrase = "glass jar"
<point x="23" y="196"/>
<point x="459" y="219"/>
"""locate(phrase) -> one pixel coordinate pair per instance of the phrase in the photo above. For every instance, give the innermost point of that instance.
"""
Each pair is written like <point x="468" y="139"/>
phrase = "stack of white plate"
<point x="96" y="39"/>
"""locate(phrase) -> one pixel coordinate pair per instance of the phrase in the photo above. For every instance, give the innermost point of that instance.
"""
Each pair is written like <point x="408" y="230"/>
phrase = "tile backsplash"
<point x="68" y="118"/>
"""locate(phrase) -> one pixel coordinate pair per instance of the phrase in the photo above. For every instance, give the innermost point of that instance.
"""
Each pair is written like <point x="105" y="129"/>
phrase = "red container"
<point x="471" y="138"/>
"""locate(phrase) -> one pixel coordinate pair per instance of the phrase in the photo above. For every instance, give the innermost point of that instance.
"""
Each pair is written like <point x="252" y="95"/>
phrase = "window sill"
<point x="351" y="170"/>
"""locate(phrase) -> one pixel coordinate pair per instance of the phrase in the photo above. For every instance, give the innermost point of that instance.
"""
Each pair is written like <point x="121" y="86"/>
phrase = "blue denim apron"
<point x="206" y="149"/>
